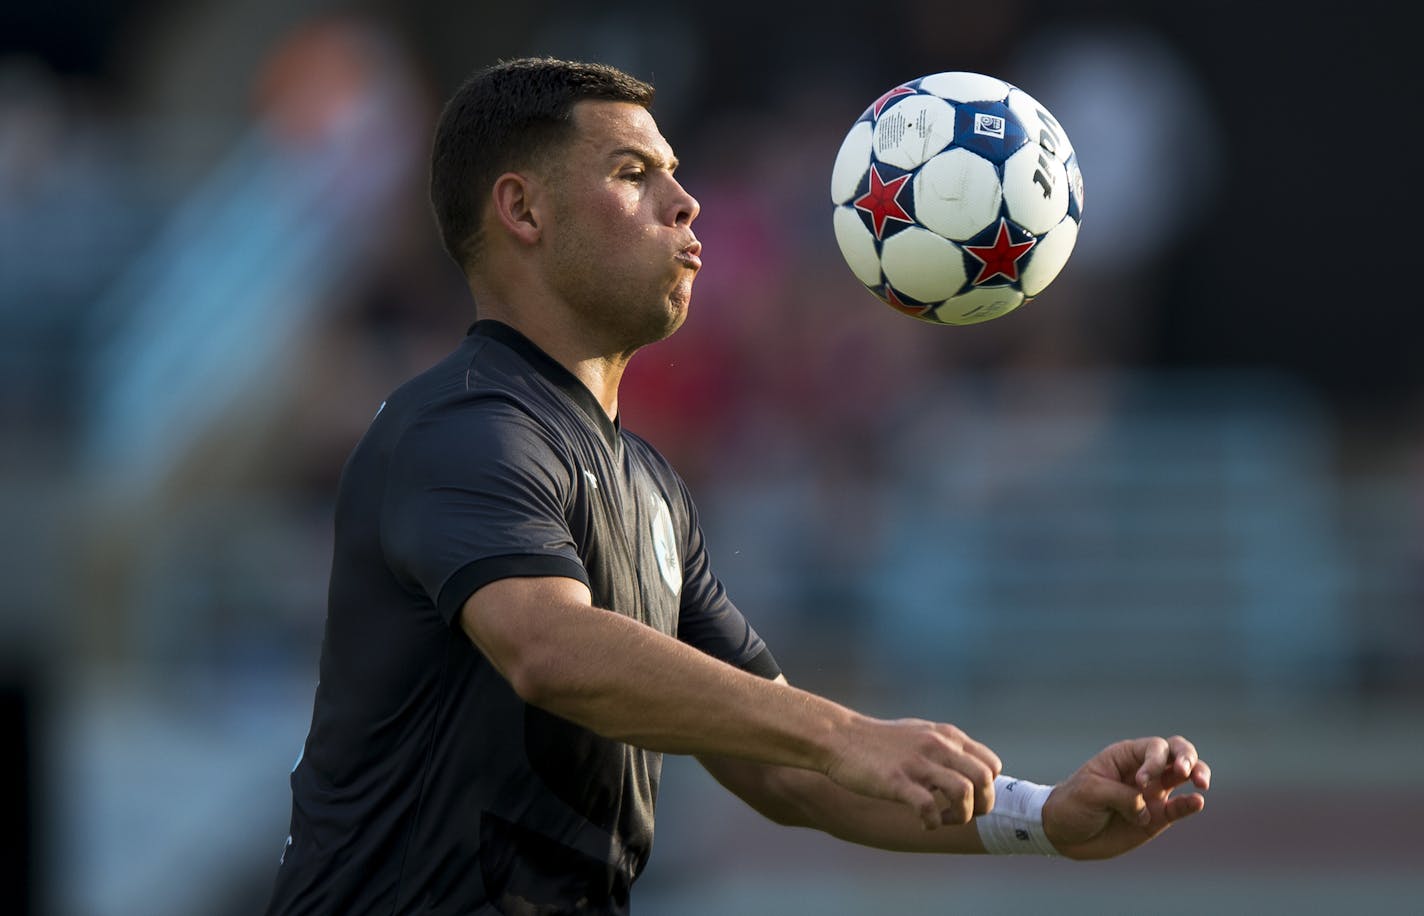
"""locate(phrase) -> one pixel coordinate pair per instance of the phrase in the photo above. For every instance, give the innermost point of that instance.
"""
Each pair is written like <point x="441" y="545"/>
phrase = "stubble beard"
<point x="635" y="322"/>
<point x="622" y="313"/>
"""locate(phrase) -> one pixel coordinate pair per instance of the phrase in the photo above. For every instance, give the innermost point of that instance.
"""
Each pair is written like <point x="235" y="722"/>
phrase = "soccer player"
<point x="523" y="616"/>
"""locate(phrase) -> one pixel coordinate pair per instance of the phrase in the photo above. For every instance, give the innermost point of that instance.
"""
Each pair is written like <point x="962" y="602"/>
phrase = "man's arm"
<point x="1118" y="800"/>
<point x="626" y="681"/>
<point x="803" y="798"/>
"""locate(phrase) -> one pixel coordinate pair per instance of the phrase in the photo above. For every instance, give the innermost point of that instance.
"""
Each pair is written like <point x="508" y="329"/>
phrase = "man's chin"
<point x="679" y="304"/>
<point x="676" y="316"/>
<point x="655" y="329"/>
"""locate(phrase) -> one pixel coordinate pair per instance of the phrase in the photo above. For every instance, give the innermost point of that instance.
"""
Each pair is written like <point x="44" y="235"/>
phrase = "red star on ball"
<point x="1000" y="259"/>
<point x="890" y="298"/>
<point x="884" y="100"/>
<point x="881" y="201"/>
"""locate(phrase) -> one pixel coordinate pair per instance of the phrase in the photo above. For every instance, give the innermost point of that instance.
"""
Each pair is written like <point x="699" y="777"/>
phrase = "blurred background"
<point x="1180" y="492"/>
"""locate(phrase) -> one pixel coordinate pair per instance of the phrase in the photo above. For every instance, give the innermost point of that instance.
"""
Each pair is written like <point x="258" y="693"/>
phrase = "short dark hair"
<point x="505" y="117"/>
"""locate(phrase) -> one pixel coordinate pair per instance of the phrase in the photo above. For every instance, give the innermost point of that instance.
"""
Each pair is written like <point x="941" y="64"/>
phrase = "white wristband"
<point x="1015" y="826"/>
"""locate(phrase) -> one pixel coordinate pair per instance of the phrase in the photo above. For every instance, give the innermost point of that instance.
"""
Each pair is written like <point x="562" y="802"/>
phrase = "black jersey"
<point x="426" y="784"/>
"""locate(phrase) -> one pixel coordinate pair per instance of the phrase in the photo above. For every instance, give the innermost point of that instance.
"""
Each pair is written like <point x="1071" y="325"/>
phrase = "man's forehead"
<point x="611" y="128"/>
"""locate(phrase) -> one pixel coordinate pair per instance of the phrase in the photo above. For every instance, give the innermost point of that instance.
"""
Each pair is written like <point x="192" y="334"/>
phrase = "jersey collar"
<point x="552" y="370"/>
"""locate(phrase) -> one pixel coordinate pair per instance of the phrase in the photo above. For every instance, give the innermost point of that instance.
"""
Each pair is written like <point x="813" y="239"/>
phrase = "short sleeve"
<point x="476" y="493"/>
<point x="708" y="620"/>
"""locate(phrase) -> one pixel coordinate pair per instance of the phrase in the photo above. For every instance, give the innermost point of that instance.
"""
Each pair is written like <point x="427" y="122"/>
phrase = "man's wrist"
<point x="1015" y="826"/>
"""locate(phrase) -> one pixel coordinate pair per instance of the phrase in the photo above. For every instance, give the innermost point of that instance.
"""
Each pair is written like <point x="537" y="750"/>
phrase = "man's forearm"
<point x="629" y="682"/>
<point x="798" y="798"/>
<point x="626" y="681"/>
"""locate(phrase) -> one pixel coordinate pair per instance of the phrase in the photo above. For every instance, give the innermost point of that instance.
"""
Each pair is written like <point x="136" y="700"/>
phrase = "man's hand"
<point x="936" y="769"/>
<point x="1122" y="797"/>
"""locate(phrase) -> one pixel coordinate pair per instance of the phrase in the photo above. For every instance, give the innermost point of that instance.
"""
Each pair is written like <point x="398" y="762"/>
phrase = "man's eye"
<point x="635" y="175"/>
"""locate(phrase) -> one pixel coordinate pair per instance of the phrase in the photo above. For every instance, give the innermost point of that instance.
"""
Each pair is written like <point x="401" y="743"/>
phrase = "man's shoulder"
<point x="476" y="383"/>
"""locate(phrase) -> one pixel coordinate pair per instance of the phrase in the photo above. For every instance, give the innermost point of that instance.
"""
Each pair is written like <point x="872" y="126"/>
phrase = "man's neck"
<point x="600" y="372"/>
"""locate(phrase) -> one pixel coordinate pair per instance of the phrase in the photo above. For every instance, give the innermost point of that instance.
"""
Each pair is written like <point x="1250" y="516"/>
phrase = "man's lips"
<point x="691" y="255"/>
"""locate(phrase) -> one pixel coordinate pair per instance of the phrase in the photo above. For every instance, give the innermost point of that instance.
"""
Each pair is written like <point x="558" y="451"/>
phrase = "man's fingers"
<point x="1169" y="762"/>
<point x="1134" y="808"/>
<point x="966" y="770"/>
<point x="922" y="800"/>
<point x="929" y="812"/>
<point x="1153" y="753"/>
<point x="960" y="797"/>
<point x="1183" y="806"/>
<point x="936" y="769"/>
<point x="985" y="756"/>
<point x="962" y="792"/>
<point x="1183" y="757"/>
<point x="977" y="780"/>
<point x="1126" y="800"/>
<point x="1201" y="775"/>
<point x="955" y="738"/>
<point x="941" y="795"/>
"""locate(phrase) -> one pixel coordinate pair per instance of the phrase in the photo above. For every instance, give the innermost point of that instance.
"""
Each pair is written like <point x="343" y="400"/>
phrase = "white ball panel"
<point x="852" y="162"/>
<point x="978" y="305"/>
<point x="922" y="265"/>
<point x="1043" y="128"/>
<point x="857" y="245"/>
<point x="1036" y="189"/>
<point x="1049" y="256"/>
<point x="1075" y="182"/>
<point x="915" y="129"/>
<point x="957" y="194"/>
<point x="959" y="86"/>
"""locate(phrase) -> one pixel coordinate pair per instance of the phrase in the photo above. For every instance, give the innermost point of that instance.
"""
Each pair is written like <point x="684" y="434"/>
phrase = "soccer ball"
<point x="957" y="198"/>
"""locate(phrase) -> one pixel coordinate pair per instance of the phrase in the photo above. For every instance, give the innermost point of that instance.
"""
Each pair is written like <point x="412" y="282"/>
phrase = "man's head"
<point x="555" y="193"/>
<point x="509" y="116"/>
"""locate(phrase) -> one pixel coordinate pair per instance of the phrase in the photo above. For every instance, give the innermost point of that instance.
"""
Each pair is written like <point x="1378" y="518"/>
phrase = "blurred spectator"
<point x="72" y="206"/>
<point x="1148" y="144"/>
<point x="204" y="336"/>
<point x="302" y="264"/>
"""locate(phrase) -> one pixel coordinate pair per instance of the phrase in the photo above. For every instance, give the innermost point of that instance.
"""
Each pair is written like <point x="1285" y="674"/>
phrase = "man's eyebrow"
<point x="647" y="157"/>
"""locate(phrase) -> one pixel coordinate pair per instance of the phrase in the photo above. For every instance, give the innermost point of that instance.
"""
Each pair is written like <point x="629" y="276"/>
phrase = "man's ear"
<point x="515" y="201"/>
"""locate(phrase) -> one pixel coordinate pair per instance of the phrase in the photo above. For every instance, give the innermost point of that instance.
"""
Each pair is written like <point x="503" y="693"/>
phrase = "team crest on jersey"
<point x="665" y="546"/>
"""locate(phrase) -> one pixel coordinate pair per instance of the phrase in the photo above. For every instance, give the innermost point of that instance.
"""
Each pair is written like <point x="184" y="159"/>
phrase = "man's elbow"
<point x="778" y="796"/>
<point x="527" y="662"/>
<point x="537" y="677"/>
